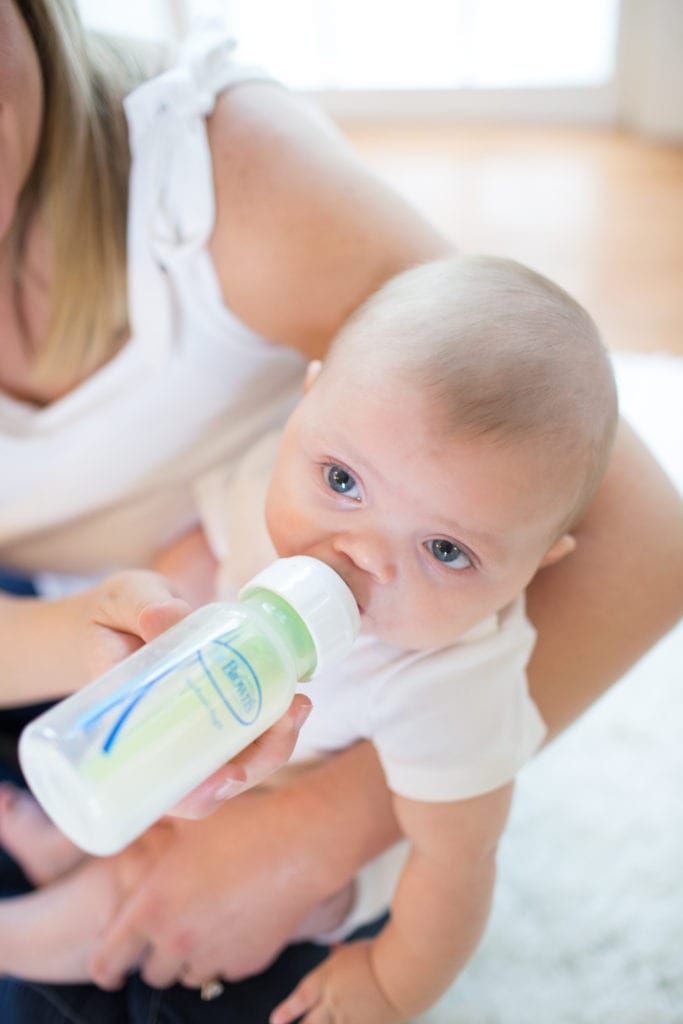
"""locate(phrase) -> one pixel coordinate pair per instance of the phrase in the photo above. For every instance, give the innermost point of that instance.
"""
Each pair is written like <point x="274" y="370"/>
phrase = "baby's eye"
<point x="341" y="481"/>
<point x="448" y="553"/>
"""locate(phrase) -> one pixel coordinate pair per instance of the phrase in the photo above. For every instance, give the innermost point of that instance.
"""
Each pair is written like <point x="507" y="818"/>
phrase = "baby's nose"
<point x="370" y="553"/>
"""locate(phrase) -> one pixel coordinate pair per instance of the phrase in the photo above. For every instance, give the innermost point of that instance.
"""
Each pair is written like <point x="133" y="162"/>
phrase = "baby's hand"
<point x="343" y="988"/>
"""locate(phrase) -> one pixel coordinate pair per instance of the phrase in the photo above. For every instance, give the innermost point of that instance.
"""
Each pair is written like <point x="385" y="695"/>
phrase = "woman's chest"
<point x="105" y="474"/>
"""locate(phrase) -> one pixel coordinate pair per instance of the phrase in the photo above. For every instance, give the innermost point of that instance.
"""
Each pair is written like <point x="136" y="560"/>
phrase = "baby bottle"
<point x="107" y="761"/>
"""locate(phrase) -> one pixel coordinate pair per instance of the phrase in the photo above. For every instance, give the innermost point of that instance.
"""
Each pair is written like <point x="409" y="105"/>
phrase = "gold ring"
<point x="212" y="990"/>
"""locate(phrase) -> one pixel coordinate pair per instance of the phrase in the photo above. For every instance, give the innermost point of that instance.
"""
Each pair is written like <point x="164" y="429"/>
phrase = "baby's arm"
<point x="190" y="566"/>
<point x="437" y="917"/>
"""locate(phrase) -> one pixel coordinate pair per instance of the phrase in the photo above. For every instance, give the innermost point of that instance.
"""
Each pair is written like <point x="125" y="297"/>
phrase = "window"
<point x="433" y="44"/>
<point x="560" y="55"/>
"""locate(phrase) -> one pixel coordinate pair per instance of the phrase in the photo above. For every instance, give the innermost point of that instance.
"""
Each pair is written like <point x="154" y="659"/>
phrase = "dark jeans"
<point x="246" y="1002"/>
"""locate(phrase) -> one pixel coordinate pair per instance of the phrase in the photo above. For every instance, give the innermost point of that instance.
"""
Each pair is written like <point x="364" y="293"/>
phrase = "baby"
<point x="438" y="459"/>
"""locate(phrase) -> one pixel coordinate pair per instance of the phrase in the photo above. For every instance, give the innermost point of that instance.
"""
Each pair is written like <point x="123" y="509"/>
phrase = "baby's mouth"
<point x="363" y="611"/>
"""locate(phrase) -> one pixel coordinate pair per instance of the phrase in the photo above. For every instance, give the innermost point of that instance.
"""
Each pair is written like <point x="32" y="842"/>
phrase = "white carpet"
<point x="587" y="926"/>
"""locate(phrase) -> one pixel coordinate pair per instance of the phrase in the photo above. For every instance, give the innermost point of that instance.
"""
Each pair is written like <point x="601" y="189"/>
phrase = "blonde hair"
<point x="79" y="185"/>
<point x="501" y="352"/>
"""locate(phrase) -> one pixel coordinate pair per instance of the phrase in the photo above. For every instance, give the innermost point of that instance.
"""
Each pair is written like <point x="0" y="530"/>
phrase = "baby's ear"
<point x="312" y="371"/>
<point x="564" y="545"/>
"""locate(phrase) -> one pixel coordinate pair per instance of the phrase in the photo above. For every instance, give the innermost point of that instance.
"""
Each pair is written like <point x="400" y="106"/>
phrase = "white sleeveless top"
<point x="102" y="478"/>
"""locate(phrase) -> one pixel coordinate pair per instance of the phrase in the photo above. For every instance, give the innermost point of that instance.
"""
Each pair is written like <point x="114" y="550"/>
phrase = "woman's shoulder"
<point x="304" y="232"/>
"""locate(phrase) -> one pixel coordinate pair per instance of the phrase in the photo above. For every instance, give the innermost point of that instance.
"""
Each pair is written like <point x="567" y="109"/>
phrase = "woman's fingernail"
<point x="227" y="789"/>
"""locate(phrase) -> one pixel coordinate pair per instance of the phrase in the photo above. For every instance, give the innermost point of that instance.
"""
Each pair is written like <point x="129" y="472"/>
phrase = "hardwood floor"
<point x="600" y="212"/>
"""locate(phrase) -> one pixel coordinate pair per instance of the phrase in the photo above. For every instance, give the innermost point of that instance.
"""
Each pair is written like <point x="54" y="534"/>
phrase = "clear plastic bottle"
<point x="110" y="759"/>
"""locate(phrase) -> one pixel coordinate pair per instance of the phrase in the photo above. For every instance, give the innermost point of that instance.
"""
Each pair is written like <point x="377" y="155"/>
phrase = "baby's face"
<point x="431" y="533"/>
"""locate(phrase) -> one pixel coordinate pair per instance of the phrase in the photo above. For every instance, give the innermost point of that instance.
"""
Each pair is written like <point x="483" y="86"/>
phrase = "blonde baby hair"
<point x="501" y="352"/>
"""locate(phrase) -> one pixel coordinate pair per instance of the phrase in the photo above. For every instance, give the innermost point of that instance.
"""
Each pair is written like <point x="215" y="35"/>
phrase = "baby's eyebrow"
<point x="480" y="540"/>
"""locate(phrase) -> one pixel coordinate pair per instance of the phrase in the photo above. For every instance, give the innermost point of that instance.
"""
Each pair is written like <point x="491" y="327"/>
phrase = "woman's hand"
<point x="252" y="765"/>
<point x="220" y="899"/>
<point x="120" y="614"/>
<point x="227" y="893"/>
<point x="60" y="645"/>
<point x="84" y="635"/>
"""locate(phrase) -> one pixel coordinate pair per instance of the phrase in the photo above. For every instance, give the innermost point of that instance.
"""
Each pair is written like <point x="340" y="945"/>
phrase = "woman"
<point x="135" y="311"/>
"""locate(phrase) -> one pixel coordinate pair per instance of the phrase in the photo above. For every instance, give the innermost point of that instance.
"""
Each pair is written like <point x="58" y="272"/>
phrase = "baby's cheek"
<point x="436" y="622"/>
<point x="283" y="529"/>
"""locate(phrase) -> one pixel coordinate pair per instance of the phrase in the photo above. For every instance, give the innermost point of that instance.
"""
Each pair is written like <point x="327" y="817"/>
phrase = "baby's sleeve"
<point x="456" y="723"/>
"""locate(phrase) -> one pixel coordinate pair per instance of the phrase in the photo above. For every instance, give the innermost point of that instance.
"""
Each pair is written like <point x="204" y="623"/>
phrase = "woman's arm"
<point x="602" y="608"/>
<point x="304" y="232"/>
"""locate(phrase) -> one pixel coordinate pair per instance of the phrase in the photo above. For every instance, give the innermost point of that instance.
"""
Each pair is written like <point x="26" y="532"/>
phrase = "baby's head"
<point x="458" y="428"/>
<point x="501" y="353"/>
